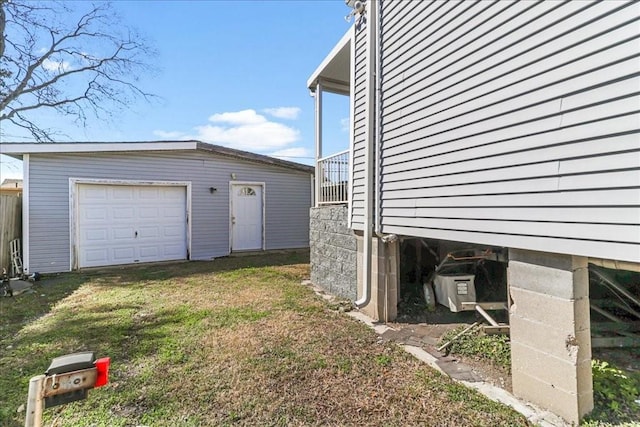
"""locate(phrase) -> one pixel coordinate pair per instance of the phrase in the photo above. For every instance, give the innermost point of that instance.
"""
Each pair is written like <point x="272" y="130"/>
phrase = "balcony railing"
<point x="333" y="171"/>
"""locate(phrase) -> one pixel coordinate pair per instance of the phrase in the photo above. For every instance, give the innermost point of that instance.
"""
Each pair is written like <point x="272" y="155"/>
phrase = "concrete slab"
<point x="20" y="286"/>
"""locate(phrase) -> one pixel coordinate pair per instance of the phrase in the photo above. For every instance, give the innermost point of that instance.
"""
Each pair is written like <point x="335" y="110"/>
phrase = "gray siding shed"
<point x="513" y="124"/>
<point x="286" y="210"/>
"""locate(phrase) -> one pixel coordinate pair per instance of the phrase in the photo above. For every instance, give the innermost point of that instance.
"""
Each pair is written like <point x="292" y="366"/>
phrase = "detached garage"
<point x="102" y="204"/>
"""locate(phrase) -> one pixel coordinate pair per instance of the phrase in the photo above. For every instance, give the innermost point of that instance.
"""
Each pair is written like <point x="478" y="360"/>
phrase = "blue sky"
<point x="230" y="72"/>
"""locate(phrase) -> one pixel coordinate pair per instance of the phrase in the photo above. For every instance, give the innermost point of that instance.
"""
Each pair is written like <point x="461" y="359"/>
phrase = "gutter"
<point x="373" y="29"/>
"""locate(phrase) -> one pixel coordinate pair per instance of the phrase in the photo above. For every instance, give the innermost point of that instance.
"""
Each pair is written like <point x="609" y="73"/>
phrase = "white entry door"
<point x="246" y="217"/>
<point x="126" y="224"/>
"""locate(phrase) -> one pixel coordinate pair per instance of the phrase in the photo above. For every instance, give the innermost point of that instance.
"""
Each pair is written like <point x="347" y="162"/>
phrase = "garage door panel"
<point x="149" y="252"/>
<point x="127" y="213"/>
<point x="170" y="212"/>
<point x="148" y="232"/>
<point x="96" y="235"/>
<point x="172" y="232"/>
<point x="124" y="254"/>
<point x="171" y="251"/>
<point x="148" y="212"/>
<point x="95" y="214"/>
<point x="122" y="192"/>
<point x="97" y="256"/>
<point x="128" y="224"/>
<point x="122" y="233"/>
<point x="149" y="193"/>
<point x="95" y="193"/>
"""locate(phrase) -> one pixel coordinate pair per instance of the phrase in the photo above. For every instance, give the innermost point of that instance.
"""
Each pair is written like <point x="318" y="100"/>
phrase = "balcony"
<point x="333" y="171"/>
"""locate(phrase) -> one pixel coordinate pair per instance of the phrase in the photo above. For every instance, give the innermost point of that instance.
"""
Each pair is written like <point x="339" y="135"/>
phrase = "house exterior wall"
<point x="359" y="100"/>
<point x="511" y="123"/>
<point x="333" y="251"/>
<point x="287" y="198"/>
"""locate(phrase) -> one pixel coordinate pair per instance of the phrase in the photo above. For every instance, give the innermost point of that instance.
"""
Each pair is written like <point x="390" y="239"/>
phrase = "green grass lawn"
<point x="234" y="341"/>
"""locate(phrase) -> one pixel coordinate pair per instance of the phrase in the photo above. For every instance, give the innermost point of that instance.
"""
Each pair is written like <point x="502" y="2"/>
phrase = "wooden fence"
<point x="10" y="226"/>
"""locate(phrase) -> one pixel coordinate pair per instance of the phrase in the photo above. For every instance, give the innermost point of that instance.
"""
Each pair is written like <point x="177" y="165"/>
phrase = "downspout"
<point x="377" y="175"/>
<point x="370" y="139"/>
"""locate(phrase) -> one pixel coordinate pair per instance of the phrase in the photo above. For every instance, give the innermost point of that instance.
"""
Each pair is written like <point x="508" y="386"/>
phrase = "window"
<point x="246" y="191"/>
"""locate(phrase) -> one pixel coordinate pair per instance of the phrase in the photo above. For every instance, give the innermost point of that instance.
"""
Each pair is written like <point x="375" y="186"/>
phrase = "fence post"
<point x="35" y="402"/>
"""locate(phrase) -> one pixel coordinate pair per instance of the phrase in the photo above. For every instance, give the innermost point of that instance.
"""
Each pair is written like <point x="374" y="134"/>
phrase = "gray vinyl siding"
<point x="287" y="199"/>
<point x="513" y="123"/>
<point x="359" y="100"/>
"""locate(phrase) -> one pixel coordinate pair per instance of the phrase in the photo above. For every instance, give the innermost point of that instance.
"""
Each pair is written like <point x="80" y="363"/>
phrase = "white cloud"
<point x="244" y="130"/>
<point x="59" y="66"/>
<point x="244" y="117"/>
<point x="289" y="113"/>
<point x="345" y="124"/>
<point x="253" y="137"/>
<point x="293" y="153"/>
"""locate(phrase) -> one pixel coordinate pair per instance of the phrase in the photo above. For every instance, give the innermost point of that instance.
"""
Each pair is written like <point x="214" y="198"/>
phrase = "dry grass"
<point x="228" y="342"/>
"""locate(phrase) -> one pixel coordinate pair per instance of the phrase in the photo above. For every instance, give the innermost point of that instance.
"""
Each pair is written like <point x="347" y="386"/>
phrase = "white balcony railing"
<point x="333" y="170"/>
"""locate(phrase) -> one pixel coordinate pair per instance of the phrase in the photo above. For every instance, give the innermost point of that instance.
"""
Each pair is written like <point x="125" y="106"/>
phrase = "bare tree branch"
<point x="45" y="63"/>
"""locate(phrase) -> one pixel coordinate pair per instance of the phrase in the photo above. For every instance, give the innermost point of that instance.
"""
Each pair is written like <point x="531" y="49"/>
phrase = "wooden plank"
<point x="471" y="306"/>
<point x="496" y="330"/>
<point x="604" y="342"/>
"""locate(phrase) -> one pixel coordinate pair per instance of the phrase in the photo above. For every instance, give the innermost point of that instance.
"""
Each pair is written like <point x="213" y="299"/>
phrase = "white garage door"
<point x="125" y="224"/>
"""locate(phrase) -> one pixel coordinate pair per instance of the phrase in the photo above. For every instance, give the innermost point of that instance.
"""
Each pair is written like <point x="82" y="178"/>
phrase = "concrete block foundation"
<point x="333" y="251"/>
<point x="550" y="331"/>
<point x="385" y="270"/>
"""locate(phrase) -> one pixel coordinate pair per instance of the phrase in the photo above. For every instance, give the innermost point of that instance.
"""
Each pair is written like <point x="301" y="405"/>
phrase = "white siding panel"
<point x="595" y="215"/>
<point x="603" y="232"/>
<point x="502" y="142"/>
<point x="359" y="108"/>
<point x="505" y="154"/>
<point x="522" y="131"/>
<point x="628" y="197"/>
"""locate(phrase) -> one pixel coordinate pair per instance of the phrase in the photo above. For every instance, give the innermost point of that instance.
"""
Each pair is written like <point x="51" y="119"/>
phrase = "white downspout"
<point x="372" y="22"/>
<point x="378" y="125"/>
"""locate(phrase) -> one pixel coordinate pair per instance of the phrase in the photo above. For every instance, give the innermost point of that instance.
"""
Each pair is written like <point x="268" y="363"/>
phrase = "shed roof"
<point x="17" y="149"/>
